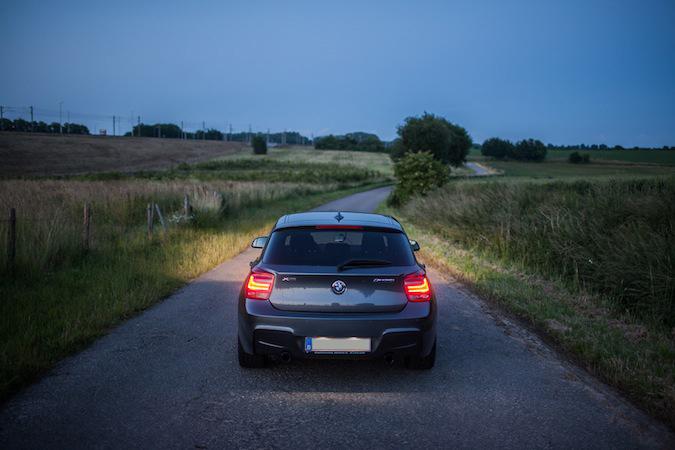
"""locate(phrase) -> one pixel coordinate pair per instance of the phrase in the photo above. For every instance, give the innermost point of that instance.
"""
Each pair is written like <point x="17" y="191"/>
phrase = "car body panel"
<point x="303" y="304"/>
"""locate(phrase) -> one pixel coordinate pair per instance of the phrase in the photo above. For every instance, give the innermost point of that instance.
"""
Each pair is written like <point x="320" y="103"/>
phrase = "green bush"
<point x="578" y="158"/>
<point x="417" y="174"/>
<point x="259" y="145"/>
<point x="449" y="143"/>
<point x="497" y="148"/>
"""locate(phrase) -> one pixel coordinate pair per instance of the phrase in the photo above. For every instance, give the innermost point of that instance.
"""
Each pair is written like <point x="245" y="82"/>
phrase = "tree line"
<point x="357" y="141"/>
<point x="603" y="147"/>
<point x="173" y="131"/>
<point x="525" y="150"/>
<point x="42" y="127"/>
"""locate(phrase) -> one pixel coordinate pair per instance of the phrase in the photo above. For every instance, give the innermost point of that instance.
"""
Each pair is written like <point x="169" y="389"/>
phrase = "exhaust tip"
<point x="285" y="357"/>
<point x="389" y="358"/>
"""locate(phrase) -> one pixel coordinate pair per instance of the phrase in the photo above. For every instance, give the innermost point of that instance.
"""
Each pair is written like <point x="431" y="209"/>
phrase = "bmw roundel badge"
<point x="339" y="287"/>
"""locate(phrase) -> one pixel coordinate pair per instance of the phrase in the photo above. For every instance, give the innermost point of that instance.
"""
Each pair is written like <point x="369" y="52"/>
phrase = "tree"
<point x="497" y="148"/>
<point x="446" y="141"/>
<point x="396" y="149"/>
<point x="259" y="145"/>
<point x="358" y="141"/>
<point x="417" y="174"/>
<point x="530" y="150"/>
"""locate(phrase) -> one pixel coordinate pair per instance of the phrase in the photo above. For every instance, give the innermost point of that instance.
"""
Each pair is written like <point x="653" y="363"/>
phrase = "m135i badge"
<point x="384" y="280"/>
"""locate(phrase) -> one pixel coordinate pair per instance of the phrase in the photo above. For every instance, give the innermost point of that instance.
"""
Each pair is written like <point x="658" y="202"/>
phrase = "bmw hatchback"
<point x="337" y="285"/>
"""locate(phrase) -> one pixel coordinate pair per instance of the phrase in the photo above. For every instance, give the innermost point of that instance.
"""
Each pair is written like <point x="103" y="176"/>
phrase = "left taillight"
<point x="259" y="285"/>
<point x="417" y="288"/>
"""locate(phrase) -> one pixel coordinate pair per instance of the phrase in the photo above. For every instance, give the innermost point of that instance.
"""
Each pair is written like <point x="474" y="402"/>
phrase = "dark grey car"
<point x="337" y="285"/>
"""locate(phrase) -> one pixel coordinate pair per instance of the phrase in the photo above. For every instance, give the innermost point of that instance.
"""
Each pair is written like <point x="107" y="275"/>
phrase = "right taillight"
<point x="259" y="285"/>
<point x="417" y="288"/>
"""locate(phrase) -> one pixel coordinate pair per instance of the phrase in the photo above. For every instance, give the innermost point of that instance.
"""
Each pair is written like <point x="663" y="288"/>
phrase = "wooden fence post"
<point x="161" y="217"/>
<point x="187" y="209"/>
<point x="86" y="232"/>
<point x="150" y="218"/>
<point x="11" y="239"/>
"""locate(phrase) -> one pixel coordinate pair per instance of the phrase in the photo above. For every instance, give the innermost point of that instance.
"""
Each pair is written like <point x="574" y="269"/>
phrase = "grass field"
<point x="380" y="162"/>
<point x="659" y="157"/>
<point x="560" y="169"/>
<point x="24" y="154"/>
<point x="589" y="263"/>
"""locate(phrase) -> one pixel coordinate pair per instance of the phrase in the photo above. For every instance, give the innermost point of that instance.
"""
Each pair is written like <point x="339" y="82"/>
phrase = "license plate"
<point x="337" y="345"/>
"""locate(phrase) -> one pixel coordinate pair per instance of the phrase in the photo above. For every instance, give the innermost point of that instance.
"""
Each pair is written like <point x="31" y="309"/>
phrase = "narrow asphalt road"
<point x="169" y="379"/>
<point x="479" y="170"/>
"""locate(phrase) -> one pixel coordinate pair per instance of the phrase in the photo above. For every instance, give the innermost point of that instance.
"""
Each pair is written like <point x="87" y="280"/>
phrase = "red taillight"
<point x="259" y="285"/>
<point x="417" y="288"/>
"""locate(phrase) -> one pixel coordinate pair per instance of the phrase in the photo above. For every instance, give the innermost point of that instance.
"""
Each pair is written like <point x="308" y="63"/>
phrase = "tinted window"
<point x="305" y="247"/>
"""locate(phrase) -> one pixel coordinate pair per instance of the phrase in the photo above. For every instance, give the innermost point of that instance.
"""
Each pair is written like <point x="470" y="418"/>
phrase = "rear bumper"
<point x="265" y="330"/>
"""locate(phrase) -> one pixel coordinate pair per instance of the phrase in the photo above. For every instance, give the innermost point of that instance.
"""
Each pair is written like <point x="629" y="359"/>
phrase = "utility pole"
<point x="182" y="133"/>
<point x="31" y="119"/>
<point x="68" y="123"/>
<point x="230" y="135"/>
<point x="114" y="134"/>
<point x="203" y="131"/>
<point x="249" y="134"/>
<point x="60" y="118"/>
<point x="2" y="118"/>
<point x="139" y="126"/>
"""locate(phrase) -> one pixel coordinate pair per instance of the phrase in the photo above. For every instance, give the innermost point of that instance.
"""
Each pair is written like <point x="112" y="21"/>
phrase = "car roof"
<point x="314" y="218"/>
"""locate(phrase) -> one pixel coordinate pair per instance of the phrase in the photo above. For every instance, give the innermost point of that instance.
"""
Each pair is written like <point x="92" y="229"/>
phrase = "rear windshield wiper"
<point x="364" y="263"/>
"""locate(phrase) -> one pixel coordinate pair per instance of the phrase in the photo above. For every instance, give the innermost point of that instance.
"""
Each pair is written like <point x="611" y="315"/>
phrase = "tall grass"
<point x="616" y="238"/>
<point x="50" y="212"/>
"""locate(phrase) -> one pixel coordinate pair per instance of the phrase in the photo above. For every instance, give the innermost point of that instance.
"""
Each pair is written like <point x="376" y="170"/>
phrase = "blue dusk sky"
<point x="563" y="72"/>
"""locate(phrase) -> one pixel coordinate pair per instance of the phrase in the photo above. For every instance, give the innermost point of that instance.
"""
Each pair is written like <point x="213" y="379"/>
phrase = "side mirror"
<point x="414" y="245"/>
<point x="259" y="242"/>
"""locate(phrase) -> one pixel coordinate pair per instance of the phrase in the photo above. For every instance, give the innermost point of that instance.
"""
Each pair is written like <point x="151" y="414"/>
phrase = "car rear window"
<point x="303" y="247"/>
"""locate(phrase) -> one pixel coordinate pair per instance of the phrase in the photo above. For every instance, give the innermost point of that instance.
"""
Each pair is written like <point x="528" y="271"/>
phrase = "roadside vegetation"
<point x="583" y="252"/>
<point x="590" y="264"/>
<point x="425" y="150"/>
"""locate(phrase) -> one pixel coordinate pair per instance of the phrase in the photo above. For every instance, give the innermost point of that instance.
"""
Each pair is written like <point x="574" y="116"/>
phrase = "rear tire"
<point x="422" y="362"/>
<point x="248" y="360"/>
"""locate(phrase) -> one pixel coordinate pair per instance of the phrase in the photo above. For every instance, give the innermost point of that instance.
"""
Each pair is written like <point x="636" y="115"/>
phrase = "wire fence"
<point x="62" y="119"/>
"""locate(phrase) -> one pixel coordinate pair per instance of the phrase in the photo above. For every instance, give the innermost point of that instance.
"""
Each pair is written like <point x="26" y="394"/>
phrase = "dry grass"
<point x="49" y="212"/>
<point x="25" y="154"/>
